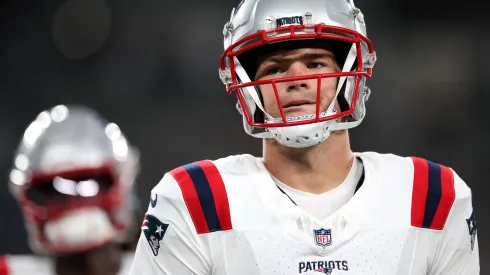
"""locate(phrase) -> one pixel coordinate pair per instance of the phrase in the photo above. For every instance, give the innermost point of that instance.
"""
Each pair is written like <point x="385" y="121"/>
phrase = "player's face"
<point x="297" y="98"/>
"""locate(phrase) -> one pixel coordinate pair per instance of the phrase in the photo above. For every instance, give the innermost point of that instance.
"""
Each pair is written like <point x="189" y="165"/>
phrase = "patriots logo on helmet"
<point x="324" y="270"/>
<point x="154" y="231"/>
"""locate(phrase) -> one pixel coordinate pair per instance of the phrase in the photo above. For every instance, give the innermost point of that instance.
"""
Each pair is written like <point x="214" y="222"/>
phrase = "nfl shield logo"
<point x="323" y="237"/>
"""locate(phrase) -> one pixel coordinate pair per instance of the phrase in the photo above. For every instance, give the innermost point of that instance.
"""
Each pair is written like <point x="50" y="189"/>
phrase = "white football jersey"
<point x="39" y="265"/>
<point x="223" y="217"/>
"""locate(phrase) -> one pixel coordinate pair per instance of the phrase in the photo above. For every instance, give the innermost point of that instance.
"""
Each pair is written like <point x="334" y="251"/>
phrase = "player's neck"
<point x="316" y="169"/>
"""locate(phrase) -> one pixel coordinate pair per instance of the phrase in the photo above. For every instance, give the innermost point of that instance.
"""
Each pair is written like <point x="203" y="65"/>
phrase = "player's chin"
<point x="298" y="111"/>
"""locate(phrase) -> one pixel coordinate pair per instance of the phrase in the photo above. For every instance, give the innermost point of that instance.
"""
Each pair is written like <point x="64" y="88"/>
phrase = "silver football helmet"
<point x="259" y="26"/>
<point x="73" y="178"/>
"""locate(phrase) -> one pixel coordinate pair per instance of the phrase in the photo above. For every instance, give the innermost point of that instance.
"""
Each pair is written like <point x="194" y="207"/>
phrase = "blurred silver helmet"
<point x="258" y="26"/>
<point x="73" y="178"/>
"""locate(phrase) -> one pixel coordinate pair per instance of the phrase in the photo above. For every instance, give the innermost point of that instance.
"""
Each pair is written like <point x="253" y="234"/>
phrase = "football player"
<point x="309" y="205"/>
<point x="73" y="178"/>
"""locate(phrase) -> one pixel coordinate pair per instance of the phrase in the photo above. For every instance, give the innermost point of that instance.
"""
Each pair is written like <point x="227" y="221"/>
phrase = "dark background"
<point x="152" y="67"/>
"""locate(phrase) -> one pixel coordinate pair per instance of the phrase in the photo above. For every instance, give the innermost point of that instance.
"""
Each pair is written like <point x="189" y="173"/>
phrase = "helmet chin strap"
<point x="349" y="61"/>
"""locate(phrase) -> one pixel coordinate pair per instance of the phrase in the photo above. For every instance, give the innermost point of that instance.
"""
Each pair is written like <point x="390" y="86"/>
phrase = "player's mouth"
<point x="297" y="105"/>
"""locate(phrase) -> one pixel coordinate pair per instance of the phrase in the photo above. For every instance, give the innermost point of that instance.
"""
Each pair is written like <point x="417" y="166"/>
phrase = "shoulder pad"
<point x="205" y="196"/>
<point x="433" y="194"/>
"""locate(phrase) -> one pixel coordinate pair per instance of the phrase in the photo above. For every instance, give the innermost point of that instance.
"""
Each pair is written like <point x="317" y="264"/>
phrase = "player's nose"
<point x="297" y="69"/>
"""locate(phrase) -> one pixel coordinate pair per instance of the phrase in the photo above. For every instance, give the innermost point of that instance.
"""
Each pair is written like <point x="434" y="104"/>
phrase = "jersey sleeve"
<point x="457" y="247"/>
<point x="168" y="243"/>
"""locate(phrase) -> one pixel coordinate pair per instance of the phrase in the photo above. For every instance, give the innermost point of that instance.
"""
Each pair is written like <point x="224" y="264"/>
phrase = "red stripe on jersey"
<point x="447" y="199"/>
<point x="4" y="268"/>
<point x="219" y="193"/>
<point x="191" y="199"/>
<point x="420" y="189"/>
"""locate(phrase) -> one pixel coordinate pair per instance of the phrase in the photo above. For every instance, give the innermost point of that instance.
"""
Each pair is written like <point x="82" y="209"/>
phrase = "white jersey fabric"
<point x="39" y="265"/>
<point x="323" y="205"/>
<point x="223" y="217"/>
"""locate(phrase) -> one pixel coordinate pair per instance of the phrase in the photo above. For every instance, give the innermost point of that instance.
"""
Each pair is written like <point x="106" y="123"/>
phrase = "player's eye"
<point x="315" y="65"/>
<point x="273" y="71"/>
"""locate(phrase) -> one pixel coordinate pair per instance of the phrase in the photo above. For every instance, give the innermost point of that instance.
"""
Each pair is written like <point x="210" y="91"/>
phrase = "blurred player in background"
<point x="73" y="178"/>
<point x="310" y="205"/>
